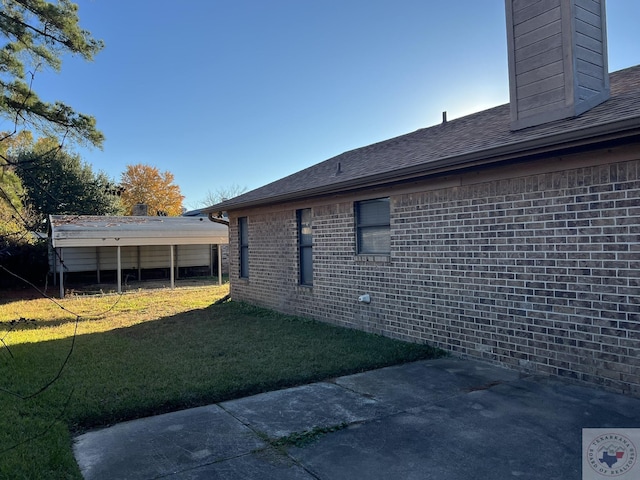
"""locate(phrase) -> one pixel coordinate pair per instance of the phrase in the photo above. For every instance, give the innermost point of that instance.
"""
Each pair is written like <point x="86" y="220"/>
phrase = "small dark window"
<point x="373" y="231"/>
<point x="305" y="245"/>
<point x="243" y="237"/>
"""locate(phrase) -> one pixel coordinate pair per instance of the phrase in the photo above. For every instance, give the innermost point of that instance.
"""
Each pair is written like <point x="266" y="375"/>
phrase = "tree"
<point x="34" y="35"/>
<point x="13" y="215"/>
<point x="12" y="228"/>
<point x="58" y="182"/>
<point x="144" y="184"/>
<point x="221" y="194"/>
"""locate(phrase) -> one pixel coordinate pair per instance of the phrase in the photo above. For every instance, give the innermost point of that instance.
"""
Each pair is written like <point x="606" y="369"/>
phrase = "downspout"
<point x="217" y="218"/>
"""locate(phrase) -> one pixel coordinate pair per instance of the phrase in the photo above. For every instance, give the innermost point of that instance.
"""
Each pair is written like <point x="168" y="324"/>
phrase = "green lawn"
<point x="151" y="352"/>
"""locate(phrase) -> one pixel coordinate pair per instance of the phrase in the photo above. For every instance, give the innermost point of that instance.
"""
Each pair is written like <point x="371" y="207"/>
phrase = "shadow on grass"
<point x="198" y="357"/>
<point x="190" y="359"/>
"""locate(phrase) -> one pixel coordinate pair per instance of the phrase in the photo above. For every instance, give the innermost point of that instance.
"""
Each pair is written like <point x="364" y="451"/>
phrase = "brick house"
<point x="509" y="235"/>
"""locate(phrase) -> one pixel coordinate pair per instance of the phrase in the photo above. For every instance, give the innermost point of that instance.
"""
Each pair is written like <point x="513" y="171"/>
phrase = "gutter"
<point x="216" y="217"/>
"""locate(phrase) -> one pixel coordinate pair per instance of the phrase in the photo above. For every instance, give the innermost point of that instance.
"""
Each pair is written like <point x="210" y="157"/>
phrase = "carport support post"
<point x="119" y="272"/>
<point x="171" y="267"/>
<point x="98" y="264"/>
<point x="211" y="258"/>
<point x="219" y="264"/>
<point x="60" y="273"/>
<point x="177" y="260"/>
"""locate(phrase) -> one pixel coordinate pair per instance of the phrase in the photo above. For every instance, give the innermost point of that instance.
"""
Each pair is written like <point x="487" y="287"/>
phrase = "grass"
<point x="150" y="352"/>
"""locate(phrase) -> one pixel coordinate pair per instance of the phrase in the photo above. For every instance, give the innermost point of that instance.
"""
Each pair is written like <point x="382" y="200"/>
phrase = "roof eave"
<point x="582" y="136"/>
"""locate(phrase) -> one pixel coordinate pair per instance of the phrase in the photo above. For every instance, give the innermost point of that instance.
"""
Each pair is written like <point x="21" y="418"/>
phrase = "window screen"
<point x="373" y="232"/>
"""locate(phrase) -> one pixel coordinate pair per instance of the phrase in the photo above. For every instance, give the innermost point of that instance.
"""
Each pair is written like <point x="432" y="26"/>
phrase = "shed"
<point x="85" y="243"/>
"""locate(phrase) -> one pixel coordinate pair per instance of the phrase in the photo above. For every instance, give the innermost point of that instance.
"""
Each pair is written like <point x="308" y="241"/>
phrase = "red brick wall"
<point x="533" y="266"/>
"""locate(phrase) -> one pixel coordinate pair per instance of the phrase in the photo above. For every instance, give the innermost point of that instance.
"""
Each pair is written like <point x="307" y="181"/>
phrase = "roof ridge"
<point x="487" y="130"/>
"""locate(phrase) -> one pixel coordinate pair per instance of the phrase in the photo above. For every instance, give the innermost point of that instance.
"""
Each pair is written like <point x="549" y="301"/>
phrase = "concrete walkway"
<point x="446" y="419"/>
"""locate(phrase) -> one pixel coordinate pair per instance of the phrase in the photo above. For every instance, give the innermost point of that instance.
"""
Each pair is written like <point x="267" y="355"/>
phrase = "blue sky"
<point x="244" y="92"/>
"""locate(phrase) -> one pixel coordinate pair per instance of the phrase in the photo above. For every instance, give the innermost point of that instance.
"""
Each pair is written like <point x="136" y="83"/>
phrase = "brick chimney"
<point x="557" y="59"/>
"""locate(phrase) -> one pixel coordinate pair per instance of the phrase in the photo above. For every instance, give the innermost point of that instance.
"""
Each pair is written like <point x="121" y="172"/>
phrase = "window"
<point x="305" y="245"/>
<point x="373" y="232"/>
<point x="243" y="236"/>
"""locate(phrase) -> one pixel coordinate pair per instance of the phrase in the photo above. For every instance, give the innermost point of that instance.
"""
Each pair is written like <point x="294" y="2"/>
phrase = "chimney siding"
<point x="557" y="59"/>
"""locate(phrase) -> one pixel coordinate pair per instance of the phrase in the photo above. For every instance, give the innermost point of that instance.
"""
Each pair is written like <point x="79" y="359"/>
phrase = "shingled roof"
<point x="480" y="138"/>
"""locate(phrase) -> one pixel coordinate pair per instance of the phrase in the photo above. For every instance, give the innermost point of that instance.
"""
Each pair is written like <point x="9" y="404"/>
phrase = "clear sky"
<point x="244" y="92"/>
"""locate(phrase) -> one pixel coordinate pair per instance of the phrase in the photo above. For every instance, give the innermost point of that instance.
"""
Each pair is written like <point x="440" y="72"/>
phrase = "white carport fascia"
<point x="162" y="239"/>
<point x="96" y="231"/>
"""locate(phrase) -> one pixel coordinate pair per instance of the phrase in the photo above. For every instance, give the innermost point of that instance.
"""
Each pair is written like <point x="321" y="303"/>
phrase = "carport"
<point x="81" y="243"/>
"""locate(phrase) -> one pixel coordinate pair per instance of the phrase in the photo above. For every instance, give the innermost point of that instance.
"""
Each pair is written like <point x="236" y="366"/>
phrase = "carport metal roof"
<point x="103" y="231"/>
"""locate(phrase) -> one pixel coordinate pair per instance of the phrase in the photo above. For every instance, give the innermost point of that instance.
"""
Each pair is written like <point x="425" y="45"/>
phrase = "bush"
<point x="28" y="261"/>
